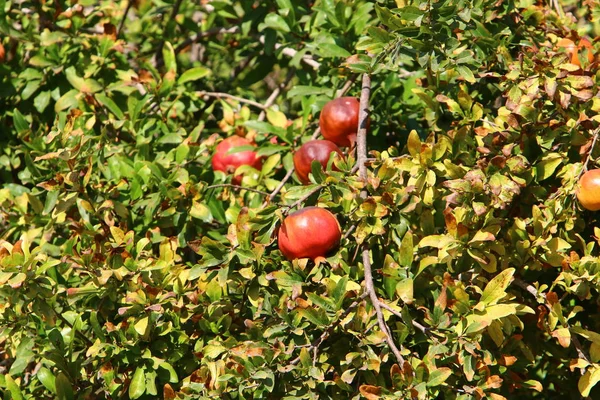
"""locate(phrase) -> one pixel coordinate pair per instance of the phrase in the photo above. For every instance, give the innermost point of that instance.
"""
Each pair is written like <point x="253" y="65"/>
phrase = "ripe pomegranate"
<point x="309" y="233"/>
<point x="228" y="163"/>
<point x="314" y="150"/>
<point x="574" y="49"/>
<point x="339" y="121"/>
<point x="588" y="190"/>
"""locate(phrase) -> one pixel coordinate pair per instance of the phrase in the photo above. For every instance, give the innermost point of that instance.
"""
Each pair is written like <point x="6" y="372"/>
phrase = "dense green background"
<point x="126" y="274"/>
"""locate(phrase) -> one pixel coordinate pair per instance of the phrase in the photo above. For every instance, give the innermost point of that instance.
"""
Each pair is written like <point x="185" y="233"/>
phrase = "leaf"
<point x="137" y="387"/>
<point x="193" y="74"/>
<point x="414" y="144"/>
<point x="83" y="85"/>
<point x="496" y="288"/>
<point x="406" y="250"/>
<point x="588" y="380"/>
<point x="545" y="168"/>
<point x="276" y="22"/>
<point x="13" y="388"/>
<point x="47" y="378"/>
<point x="439" y="376"/>
<point x="329" y="50"/>
<point x="304" y="91"/>
<point x="110" y="104"/>
<point x="141" y="326"/>
<point x="466" y="74"/>
<point x="64" y="389"/>
<point x="370" y="392"/>
<point x="404" y="289"/>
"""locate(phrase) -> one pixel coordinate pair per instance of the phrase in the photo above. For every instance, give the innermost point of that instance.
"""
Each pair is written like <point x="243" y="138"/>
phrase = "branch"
<point x="361" y="156"/>
<point x="201" y="35"/>
<point x="288" y="51"/>
<point x="303" y="198"/>
<point x="220" y="95"/>
<point x="417" y="325"/>
<point x="129" y="4"/>
<point x="276" y="92"/>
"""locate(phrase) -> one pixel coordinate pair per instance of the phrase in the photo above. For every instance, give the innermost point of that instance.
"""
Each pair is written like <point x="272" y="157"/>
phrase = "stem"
<point x="361" y="156"/>
<point x="129" y="4"/>
<point x="303" y="198"/>
<point x="220" y="95"/>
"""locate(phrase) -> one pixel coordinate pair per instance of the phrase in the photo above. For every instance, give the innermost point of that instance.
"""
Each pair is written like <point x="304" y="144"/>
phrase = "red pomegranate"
<point x="229" y="162"/>
<point x="314" y="150"/>
<point x="588" y="190"/>
<point x="339" y="121"/>
<point x="311" y="232"/>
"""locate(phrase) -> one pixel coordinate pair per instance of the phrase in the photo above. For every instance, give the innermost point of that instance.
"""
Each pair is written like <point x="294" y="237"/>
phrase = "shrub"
<point x="130" y="269"/>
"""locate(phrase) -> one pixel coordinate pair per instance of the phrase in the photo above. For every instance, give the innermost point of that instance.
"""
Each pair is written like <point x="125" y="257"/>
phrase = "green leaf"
<point x="439" y="376"/>
<point x="110" y="104"/>
<point x="13" y="388"/>
<point x="276" y="22"/>
<point x="496" y="288"/>
<point x="329" y="50"/>
<point x="47" y="378"/>
<point x="137" y="387"/>
<point x="588" y="380"/>
<point x="414" y="144"/>
<point x="64" y="389"/>
<point x="545" y="168"/>
<point x="193" y="74"/>
<point x="466" y="73"/>
<point x="83" y="85"/>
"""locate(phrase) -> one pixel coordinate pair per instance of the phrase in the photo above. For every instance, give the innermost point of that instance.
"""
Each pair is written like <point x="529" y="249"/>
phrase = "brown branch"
<point x="271" y="99"/>
<point x="129" y="4"/>
<point x="220" y="95"/>
<point x="201" y="35"/>
<point x="417" y="325"/>
<point x="288" y="51"/>
<point x="361" y="156"/>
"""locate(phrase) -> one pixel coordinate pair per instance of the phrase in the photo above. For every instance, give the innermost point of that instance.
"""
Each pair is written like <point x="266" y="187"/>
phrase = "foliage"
<point x="129" y="269"/>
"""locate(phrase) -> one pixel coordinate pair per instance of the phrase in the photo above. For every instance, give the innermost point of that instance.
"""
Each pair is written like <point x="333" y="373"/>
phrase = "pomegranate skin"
<point x="311" y="232"/>
<point x="588" y="190"/>
<point x="339" y="121"/>
<point x="228" y="163"/>
<point x="314" y="150"/>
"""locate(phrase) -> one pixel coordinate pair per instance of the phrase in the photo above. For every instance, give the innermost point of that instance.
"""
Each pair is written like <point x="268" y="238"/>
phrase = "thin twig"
<point x="201" y="35"/>
<point x="271" y="99"/>
<point x="417" y="325"/>
<point x="303" y="198"/>
<point x="129" y="4"/>
<point x="220" y="95"/>
<point x="238" y="187"/>
<point x="314" y="346"/>
<point x="288" y="51"/>
<point x="534" y="292"/>
<point x="361" y="149"/>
